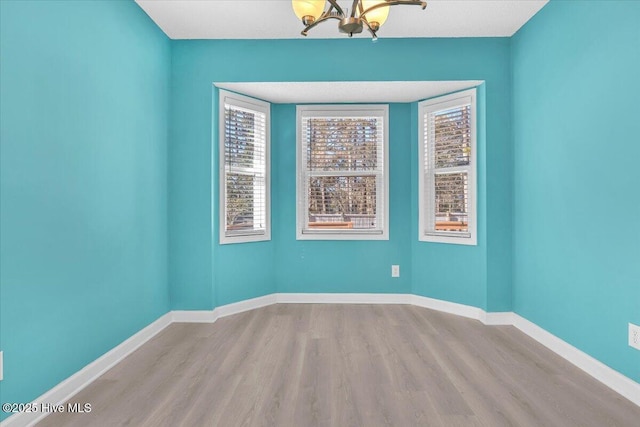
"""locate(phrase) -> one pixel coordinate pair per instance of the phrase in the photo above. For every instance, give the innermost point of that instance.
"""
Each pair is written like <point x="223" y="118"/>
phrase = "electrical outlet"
<point x="395" y="271"/>
<point x="634" y="336"/>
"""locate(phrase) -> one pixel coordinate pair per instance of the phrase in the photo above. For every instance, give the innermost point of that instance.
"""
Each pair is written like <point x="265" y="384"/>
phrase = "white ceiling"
<point x="341" y="92"/>
<point x="274" y="19"/>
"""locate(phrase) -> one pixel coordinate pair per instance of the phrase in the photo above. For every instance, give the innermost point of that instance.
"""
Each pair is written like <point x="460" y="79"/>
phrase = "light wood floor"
<point x="346" y="365"/>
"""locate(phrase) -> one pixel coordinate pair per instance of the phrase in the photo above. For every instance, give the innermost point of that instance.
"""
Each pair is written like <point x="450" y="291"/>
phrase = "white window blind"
<point x="448" y="169"/>
<point x="342" y="169"/>
<point x="244" y="169"/>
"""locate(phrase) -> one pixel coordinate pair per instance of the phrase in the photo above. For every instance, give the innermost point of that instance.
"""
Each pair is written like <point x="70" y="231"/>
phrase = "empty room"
<point x="319" y="213"/>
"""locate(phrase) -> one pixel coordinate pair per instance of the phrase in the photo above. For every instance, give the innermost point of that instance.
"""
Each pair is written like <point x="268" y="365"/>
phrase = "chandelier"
<point x="364" y="13"/>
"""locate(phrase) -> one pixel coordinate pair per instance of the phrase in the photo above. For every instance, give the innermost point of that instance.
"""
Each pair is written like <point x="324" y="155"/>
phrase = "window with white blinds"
<point x="342" y="172"/>
<point x="244" y="169"/>
<point x="447" y="182"/>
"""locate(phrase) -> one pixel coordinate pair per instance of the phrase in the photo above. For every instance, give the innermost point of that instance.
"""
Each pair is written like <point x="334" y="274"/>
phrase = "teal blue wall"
<point x="576" y="193"/>
<point x="240" y="271"/>
<point x="342" y="266"/>
<point x="203" y="273"/>
<point x="83" y="255"/>
<point x="455" y="272"/>
<point x="102" y="232"/>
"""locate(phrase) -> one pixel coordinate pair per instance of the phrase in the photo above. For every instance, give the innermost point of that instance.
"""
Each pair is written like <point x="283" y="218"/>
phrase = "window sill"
<point x="453" y="240"/>
<point x="248" y="238"/>
<point x="329" y="235"/>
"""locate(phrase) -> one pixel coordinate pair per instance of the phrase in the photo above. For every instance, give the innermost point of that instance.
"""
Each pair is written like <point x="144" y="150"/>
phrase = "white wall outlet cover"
<point x="634" y="336"/>
<point x="395" y="271"/>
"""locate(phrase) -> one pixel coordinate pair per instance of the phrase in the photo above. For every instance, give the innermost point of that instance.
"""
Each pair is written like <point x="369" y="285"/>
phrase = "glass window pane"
<point x="342" y="202"/>
<point x="451" y="202"/>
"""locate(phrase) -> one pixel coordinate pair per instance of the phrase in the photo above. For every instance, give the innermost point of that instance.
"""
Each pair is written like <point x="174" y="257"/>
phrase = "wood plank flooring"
<point x="346" y="365"/>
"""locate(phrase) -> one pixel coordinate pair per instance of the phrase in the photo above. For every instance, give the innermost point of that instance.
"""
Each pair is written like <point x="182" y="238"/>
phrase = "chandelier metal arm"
<point x="335" y="5"/>
<point x="327" y="15"/>
<point x="394" y="3"/>
<point x="357" y="20"/>
<point x="374" y="36"/>
<point x="354" y="8"/>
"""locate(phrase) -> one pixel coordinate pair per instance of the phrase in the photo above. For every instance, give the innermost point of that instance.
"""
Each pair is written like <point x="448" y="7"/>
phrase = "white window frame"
<point x="241" y="101"/>
<point x="382" y="201"/>
<point x="426" y="207"/>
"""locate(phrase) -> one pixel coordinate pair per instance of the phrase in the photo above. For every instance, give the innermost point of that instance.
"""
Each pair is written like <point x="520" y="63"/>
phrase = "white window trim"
<point x="437" y="104"/>
<point x="301" y="208"/>
<point x="257" y="105"/>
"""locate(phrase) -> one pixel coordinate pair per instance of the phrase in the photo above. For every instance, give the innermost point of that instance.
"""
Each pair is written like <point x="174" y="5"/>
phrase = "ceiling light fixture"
<point x="364" y="13"/>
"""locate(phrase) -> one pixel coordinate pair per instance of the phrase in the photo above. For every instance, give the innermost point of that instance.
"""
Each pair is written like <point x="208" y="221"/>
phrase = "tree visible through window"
<point x="343" y="176"/>
<point x="244" y="156"/>
<point x="447" y="186"/>
<point x="244" y="161"/>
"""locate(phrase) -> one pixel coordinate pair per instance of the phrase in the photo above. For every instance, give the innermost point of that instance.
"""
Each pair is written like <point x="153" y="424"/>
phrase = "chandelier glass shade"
<point x="369" y="14"/>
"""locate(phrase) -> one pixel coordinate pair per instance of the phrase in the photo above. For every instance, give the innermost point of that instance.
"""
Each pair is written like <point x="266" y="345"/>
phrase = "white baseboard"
<point x="339" y="298"/>
<point x="606" y="375"/>
<point x="193" y="316"/>
<point x="210" y="316"/>
<point x="504" y="318"/>
<point x="72" y="385"/>
<point x="448" y="307"/>
<point x="246" y="305"/>
<point x="78" y="381"/>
